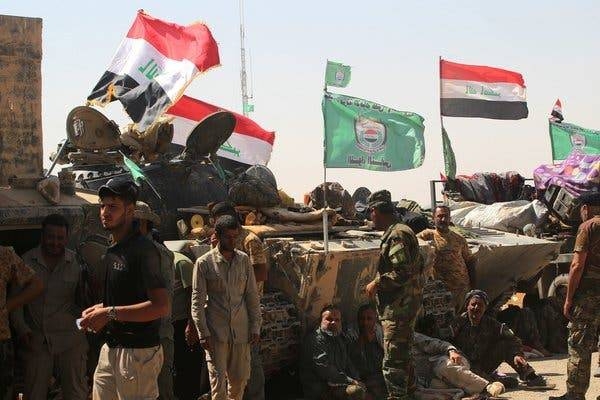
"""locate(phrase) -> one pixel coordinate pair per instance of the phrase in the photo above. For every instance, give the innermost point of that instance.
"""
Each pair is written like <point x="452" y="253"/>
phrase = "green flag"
<point x="566" y="137"/>
<point x="366" y="135"/>
<point x="135" y="171"/>
<point x="337" y="74"/>
<point x="449" y="159"/>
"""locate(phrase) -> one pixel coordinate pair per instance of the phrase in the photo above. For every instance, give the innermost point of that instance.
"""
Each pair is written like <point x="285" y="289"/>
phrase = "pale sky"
<point x="393" y="48"/>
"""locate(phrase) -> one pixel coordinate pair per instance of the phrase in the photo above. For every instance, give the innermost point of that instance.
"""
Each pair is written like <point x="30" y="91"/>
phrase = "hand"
<point x="254" y="338"/>
<point x="371" y="288"/>
<point x="520" y="360"/>
<point x="455" y="357"/>
<point x="96" y="319"/>
<point x="191" y="334"/>
<point x="567" y="309"/>
<point x="90" y="309"/>
<point x="206" y="344"/>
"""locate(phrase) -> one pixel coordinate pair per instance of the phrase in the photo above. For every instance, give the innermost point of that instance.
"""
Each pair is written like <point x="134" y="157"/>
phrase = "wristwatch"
<point x="112" y="314"/>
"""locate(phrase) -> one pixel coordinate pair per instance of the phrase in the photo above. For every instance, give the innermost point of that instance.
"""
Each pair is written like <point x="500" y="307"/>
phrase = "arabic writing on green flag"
<point x="337" y="74"/>
<point x="366" y="135"/>
<point x="136" y="172"/>
<point x="567" y="137"/>
<point x="449" y="159"/>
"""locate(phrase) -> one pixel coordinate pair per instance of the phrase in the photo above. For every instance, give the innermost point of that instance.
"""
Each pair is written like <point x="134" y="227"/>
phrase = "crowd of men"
<point x="159" y="320"/>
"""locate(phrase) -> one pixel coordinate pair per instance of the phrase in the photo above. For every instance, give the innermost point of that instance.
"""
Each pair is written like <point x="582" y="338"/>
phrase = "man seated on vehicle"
<point x="440" y="365"/>
<point x="366" y="352"/>
<point x="487" y="343"/>
<point x="325" y="369"/>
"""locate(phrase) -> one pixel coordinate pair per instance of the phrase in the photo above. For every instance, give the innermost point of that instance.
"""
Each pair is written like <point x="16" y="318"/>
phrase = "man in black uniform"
<point x="135" y="298"/>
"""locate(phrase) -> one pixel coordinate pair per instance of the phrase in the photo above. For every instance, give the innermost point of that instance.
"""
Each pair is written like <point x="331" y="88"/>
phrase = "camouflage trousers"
<point x="583" y="339"/>
<point x="6" y="369"/>
<point x="398" y="365"/>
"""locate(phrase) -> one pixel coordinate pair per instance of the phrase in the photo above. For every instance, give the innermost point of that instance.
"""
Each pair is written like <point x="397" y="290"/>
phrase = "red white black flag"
<point x="248" y="144"/>
<point x="153" y="65"/>
<point x="557" y="115"/>
<point x="480" y="91"/>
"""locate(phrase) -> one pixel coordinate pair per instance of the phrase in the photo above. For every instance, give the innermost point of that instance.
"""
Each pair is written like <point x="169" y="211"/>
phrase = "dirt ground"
<point x="554" y="369"/>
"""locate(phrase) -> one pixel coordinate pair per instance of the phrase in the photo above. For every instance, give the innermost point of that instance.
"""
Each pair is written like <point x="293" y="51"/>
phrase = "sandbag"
<point x="262" y="173"/>
<point x="337" y="197"/>
<point x="416" y="221"/>
<point x="508" y="216"/>
<point x="255" y="187"/>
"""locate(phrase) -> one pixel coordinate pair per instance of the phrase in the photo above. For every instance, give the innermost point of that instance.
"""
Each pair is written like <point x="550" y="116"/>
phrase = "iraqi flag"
<point x="482" y="92"/>
<point x="249" y="143"/>
<point x="153" y="65"/>
<point x="557" y="115"/>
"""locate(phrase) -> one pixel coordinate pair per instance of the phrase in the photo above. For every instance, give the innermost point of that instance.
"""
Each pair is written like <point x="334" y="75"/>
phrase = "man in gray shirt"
<point x="224" y="282"/>
<point x="47" y="326"/>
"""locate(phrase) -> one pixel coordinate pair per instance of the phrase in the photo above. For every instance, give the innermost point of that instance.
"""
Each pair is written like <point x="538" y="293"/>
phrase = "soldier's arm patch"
<point x="397" y="252"/>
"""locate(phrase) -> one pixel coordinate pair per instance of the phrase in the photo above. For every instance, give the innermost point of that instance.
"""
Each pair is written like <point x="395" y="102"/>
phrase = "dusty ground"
<point x="554" y="369"/>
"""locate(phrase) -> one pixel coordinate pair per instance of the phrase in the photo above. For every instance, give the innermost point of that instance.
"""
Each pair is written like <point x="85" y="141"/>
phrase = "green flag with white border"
<point x="366" y="135"/>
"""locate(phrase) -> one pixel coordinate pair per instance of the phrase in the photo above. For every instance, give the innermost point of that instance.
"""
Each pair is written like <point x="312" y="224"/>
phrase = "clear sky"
<point x="393" y="47"/>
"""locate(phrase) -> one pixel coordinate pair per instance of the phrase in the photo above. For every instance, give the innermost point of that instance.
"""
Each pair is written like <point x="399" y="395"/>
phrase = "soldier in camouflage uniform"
<point x="582" y="305"/>
<point x="399" y="290"/>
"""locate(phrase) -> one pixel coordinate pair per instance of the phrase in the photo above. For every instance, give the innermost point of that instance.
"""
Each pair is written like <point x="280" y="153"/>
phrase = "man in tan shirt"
<point x="47" y="327"/>
<point x="224" y="283"/>
<point x="250" y="244"/>
<point x="453" y="259"/>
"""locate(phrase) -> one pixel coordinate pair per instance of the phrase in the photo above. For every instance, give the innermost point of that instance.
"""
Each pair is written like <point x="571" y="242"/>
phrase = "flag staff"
<point x="139" y="174"/>
<point x="325" y="205"/>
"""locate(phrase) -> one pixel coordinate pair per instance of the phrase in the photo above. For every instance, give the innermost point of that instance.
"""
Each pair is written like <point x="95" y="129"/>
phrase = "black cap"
<point x="122" y="188"/>
<point x="380" y="198"/>
<point x="590" y="198"/>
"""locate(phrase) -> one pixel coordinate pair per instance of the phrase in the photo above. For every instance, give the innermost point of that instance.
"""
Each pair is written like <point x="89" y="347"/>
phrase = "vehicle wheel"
<point x="560" y="282"/>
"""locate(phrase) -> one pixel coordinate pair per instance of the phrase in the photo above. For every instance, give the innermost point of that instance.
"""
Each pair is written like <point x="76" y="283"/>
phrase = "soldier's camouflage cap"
<point x="143" y="211"/>
<point x="590" y="198"/>
<point x="380" y="198"/>
<point x="477" y="293"/>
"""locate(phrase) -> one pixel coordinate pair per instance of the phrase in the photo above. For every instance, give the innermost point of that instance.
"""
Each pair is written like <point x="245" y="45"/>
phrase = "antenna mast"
<point x="245" y="97"/>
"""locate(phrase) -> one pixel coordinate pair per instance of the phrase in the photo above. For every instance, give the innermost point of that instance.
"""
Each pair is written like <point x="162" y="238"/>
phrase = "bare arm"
<point x="575" y="273"/>
<point x="95" y="318"/>
<point x="31" y="290"/>
<point x="156" y="307"/>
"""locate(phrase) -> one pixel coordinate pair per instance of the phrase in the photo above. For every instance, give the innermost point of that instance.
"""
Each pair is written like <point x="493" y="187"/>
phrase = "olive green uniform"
<point x="399" y="299"/>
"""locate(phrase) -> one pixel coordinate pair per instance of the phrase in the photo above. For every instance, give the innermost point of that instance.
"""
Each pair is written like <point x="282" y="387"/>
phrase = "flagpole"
<point x="325" y="205"/>
<point x="433" y="205"/>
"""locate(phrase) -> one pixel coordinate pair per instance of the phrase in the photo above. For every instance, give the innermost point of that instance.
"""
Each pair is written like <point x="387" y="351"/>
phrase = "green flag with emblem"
<point x="363" y="134"/>
<point x="337" y="74"/>
<point x="566" y="137"/>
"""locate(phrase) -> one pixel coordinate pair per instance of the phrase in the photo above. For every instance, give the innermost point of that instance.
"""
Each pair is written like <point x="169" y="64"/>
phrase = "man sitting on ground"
<point x="326" y="369"/>
<point x="439" y="364"/>
<point x="366" y="353"/>
<point x="487" y="343"/>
